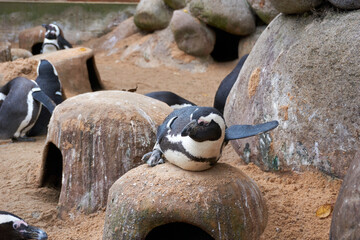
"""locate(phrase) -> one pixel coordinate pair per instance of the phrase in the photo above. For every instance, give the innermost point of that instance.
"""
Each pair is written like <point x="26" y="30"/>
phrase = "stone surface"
<point x="304" y="72"/>
<point x="232" y="16"/>
<point x="222" y="201"/>
<point x="5" y="51"/>
<point x="346" y="4"/>
<point x="191" y="35"/>
<point x="264" y="10"/>
<point x="248" y="42"/>
<point x="176" y="4"/>
<point x="32" y="38"/>
<point x="76" y="69"/>
<point x="17" y="53"/>
<point x="152" y="15"/>
<point x="295" y="6"/>
<point x="96" y="138"/>
<point x="345" y="221"/>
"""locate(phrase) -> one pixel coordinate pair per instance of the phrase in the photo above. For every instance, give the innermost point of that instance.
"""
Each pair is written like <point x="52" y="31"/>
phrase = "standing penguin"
<point x="13" y="227"/>
<point x="193" y="137"/>
<point x="54" y="39"/>
<point x="49" y="83"/>
<point x="226" y="85"/>
<point x="20" y="104"/>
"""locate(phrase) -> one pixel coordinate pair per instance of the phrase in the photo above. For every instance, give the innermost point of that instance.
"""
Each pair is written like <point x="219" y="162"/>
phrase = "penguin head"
<point x="206" y="124"/>
<point x="13" y="227"/>
<point x="52" y="31"/>
<point x="45" y="68"/>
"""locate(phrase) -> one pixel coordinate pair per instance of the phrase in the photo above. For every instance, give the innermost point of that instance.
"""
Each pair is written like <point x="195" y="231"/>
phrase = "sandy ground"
<point x="292" y="198"/>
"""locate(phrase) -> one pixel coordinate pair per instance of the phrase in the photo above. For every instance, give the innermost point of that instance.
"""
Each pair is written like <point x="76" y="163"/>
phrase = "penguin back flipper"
<point x="63" y="43"/>
<point x="40" y="96"/>
<point x="244" y="131"/>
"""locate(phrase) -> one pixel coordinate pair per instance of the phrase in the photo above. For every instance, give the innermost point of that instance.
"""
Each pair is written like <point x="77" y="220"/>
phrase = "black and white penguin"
<point x="54" y="39"/>
<point x="171" y="99"/>
<point x="21" y="100"/>
<point x="48" y="81"/>
<point x="226" y="85"/>
<point x="13" y="227"/>
<point x="193" y="137"/>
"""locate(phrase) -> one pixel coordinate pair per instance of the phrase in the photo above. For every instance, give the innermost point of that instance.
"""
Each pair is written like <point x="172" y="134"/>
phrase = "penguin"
<point x="54" y="39"/>
<point x="171" y="99"/>
<point x="13" y="227"/>
<point x="193" y="138"/>
<point x="21" y="102"/>
<point x="226" y="85"/>
<point x="48" y="80"/>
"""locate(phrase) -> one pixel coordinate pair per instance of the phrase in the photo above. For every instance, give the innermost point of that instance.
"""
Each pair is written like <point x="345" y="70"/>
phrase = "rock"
<point x="346" y="4"/>
<point x="303" y="71"/>
<point x="295" y="6"/>
<point x="176" y="4"/>
<point x="146" y="199"/>
<point x="95" y="138"/>
<point x="264" y="10"/>
<point x="76" y="69"/>
<point x="5" y="51"/>
<point x="32" y="39"/>
<point x="234" y="17"/>
<point x="248" y="42"/>
<point x="152" y="15"/>
<point x="18" y="68"/>
<point x="344" y="223"/>
<point x="191" y="35"/>
<point x="17" y="53"/>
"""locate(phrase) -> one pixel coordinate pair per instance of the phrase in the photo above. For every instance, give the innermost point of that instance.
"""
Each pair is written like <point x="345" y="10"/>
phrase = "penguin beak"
<point x="30" y="232"/>
<point x="189" y="129"/>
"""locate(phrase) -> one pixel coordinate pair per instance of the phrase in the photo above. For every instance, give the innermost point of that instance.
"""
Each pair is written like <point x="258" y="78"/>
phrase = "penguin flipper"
<point x="40" y="96"/>
<point x="244" y="131"/>
<point x="63" y="43"/>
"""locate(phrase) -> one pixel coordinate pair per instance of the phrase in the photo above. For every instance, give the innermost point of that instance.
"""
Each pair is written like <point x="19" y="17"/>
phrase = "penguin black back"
<point x="172" y="99"/>
<point x="13" y="227"/>
<point x="226" y="85"/>
<point x="49" y="83"/>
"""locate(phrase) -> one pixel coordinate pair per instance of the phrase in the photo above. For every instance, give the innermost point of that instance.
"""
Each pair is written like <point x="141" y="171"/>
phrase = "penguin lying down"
<point x="193" y="137"/>
<point x="21" y="100"/>
<point x="13" y="227"/>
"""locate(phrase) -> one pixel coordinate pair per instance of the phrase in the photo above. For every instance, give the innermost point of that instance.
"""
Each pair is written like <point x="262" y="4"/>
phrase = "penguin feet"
<point x="153" y="158"/>
<point x="23" y="139"/>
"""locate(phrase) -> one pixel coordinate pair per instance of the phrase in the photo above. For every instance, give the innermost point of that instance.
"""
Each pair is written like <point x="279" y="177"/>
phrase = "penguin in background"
<point x="54" y="39"/>
<point x="226" y="85"/>
<point x="193" y="138"/>
<point x="171" y="99"/>
<point x="48" y="81"/>
<point x="21" y="100"/>
<point x="13" y="227"/>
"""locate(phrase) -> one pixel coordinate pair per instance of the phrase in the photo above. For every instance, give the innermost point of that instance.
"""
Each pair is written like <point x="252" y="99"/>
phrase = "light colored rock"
<point x="232" y="16"/>
<point x="295" y="6"/>
<point x="344" y="223"/>
<point x="264" y="10"/>
<point x="248" y="42"/>
<point x="95" y="138"/>
<point x="17" y="53"/>
<point x="303" y="71"/>
<point x="191" y="35"/>
<point x="222" y="201"/>
<point x="346" y="4"/>
<point x="31" y="39"/>
<point x="152" y="15"/>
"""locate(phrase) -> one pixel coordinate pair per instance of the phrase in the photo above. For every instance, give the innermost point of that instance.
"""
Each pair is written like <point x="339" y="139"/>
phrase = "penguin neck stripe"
<point x="2" y="96"/>
<point x="8" y="218"/>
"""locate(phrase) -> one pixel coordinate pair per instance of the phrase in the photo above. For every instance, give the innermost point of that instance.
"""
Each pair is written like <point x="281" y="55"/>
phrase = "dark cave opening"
<point x="36" y="48"/>
<point x="52" y="169"/>
<point x="226" y="46"/>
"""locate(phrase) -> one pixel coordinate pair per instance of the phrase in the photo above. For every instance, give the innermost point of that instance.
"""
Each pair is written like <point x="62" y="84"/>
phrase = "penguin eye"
<point x="18" y="224"/>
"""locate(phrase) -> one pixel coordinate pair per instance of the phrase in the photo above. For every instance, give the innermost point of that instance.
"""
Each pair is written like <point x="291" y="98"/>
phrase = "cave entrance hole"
<point x="178" y="231"/>
<point x="226" y="46"/>
<point x="36" y="48"/>
<point x="52" y="168"/>
<point x="94" y="77"/>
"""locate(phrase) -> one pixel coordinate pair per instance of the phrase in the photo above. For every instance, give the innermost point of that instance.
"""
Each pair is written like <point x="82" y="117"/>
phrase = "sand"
<point x="292" y="198"/>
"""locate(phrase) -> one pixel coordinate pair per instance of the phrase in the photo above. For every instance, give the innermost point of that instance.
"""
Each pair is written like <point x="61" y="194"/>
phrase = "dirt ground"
<point x="292" y="198"/>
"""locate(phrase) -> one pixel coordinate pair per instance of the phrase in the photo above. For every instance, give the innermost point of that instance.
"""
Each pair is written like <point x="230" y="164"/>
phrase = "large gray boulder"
<point x="346" y="4"/>
<point x="303" y="71"/>
<point x="191" y="35"/>
<point x="295" y="6"/>
<point x="345" y="220"/>
<point x="264" y="10"/>
<point x="152" y="15"/>
<point x="232" y="16"/>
